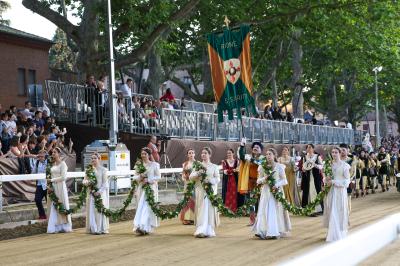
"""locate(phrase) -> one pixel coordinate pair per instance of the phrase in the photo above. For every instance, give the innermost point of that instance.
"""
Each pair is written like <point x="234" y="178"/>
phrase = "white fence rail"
<point x="73" y="175"/>
<point x="356" y="247"/>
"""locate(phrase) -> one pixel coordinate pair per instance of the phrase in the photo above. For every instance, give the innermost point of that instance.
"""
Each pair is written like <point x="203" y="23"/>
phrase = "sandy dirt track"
<point x="173" y="243"/>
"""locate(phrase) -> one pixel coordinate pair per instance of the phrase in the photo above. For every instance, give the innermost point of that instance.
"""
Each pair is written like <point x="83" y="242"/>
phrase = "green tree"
<point x="60" y="54"/>
<point x="4" y="5"/>
<point x="138" y="26"/>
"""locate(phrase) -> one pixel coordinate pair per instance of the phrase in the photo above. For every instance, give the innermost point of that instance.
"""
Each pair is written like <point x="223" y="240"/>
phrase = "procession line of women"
<point x="272" y="220"/>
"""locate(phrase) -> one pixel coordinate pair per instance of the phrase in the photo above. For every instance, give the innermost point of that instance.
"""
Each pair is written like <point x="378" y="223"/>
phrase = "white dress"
<point x="145" y="219"/>
<point x="59" y="222"/>
<point x="97" y="223"/>
<point x="336" y="208"/>
<point x="272" y="219"/>
<point x="206" y="215"/>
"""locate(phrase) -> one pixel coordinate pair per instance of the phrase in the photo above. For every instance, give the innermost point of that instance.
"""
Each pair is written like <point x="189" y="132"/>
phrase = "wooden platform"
<point x="173" y="243"/>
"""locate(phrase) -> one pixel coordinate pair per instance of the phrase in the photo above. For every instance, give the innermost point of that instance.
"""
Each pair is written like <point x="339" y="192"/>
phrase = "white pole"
<point x="378" y="135"/>
<point x="113" y="108"/>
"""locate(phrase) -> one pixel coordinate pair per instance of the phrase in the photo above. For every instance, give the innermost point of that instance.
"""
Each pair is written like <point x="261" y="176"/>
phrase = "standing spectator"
<point x="167" y="96"/>
<point x="41" y="187"/>
<point x="99" y="99"/>
<point x="91" y="86"/>
<point x="348" y="125"/>
<point x="155" y="149"/>
<point x="126" y="88"/>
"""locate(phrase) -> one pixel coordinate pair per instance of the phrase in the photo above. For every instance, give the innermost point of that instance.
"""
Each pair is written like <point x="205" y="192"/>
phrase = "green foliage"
<point x="60" y="54"/>
<point x="4" y="5"/>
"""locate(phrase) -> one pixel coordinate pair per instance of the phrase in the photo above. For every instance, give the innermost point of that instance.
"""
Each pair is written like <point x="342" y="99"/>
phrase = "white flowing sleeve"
<point x="104" y="179"/>
<point x="282" y="181"/>
<point x="156" y="173"/>
<point x="319" y="162"/>
<point x="261" y="178"/>
<point x="345" y="182"/>
<point x="136" y="176"/>
<point x="63" y="170"/>
<point x="193" y="175"/>
<point x="214" y="179"/>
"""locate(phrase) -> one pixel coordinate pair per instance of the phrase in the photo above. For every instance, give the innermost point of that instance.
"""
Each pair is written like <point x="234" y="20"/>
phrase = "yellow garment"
<point x="243" y="182"/>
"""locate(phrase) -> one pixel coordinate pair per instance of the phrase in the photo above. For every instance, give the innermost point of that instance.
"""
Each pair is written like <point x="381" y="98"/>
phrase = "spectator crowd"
<point x="27" y="131"/>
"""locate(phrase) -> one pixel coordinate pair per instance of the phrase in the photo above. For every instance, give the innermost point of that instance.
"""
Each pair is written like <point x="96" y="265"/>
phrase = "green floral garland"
<point x="217" y="201"/>
<point x="155" y="206"/>
<point x="307" y="210"/>
<point x="55" y="200"/>
<point x="98" y="202"/>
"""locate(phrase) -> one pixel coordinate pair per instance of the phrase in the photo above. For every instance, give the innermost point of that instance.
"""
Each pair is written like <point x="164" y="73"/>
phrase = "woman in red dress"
<point x="230" y="193"/>
<point x="187" y="214"/>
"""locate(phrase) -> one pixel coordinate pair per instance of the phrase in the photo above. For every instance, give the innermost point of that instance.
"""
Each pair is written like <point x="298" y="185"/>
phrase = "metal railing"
<point x="83" y="105"/>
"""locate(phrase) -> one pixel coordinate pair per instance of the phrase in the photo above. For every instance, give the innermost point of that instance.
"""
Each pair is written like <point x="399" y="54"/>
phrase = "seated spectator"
<point x="13" y="109"/>
<point x="183" y="104"/>
<point x="27" y="110"/>
<point x="289" y="117"/>
<point x="167" y="96"/>
<point x="5" y="140"/>
<point x="39" y="122"/>
<point x="174" y="104"/>
<point x="15" y="152"/>
<point x="31" y="132"/>
<point x="23" y="120"/>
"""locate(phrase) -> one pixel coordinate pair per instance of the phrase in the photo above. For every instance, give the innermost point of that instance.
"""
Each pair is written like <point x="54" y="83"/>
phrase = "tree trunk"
<point x="298" y="100"/>
<point x="274" y="89"/>
<point x="206" y="76"/>
<point x="332" y="106"/>
<point x="156" y="75"/>
<point x="383" y="121"/>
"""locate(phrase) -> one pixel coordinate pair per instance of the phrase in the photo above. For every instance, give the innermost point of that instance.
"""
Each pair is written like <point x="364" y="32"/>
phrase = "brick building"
<point x="24" y="60"/>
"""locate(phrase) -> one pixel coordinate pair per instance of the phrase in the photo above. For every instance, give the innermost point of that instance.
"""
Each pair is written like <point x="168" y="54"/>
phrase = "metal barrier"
<point x="83" y="105"/>
<point x="356" y="247"/>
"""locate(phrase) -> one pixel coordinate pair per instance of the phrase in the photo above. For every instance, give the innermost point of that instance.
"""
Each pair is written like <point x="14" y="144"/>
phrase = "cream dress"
<point x="145" y="219"/>
<point x="59" y="222"/>
<point x="336" y="208"/>
<point x="272" y="219"/>
<point x="97" y="223"/>
<point x="206" y="215"/>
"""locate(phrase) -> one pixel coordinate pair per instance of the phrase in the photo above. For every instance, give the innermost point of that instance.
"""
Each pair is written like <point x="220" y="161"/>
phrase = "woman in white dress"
<point x="145" y="220"/>
<point x="206" y="216"/>
<point x="272" y="219"/>
<point x="97" y="223"/>
<point x="58" y="222"/>
<point x="336" y="209"/>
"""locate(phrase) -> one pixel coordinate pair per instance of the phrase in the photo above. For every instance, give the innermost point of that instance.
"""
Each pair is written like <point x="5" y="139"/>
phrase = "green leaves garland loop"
<point x="91" y="186"/>
<point x="56" y="201"/>
<point x="98" y="201"/>
<point x="217" y="201"/>
<point x="307" y="210"/>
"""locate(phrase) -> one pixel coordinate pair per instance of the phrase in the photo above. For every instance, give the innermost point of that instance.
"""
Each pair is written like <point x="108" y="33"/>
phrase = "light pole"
<point x="378" y="135"/>
<point x="113" y="108"/>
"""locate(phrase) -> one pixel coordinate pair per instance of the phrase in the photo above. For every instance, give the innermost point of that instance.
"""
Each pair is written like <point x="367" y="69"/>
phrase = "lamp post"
<point x="378" y="135"/>
<point x="112" y="98"/>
